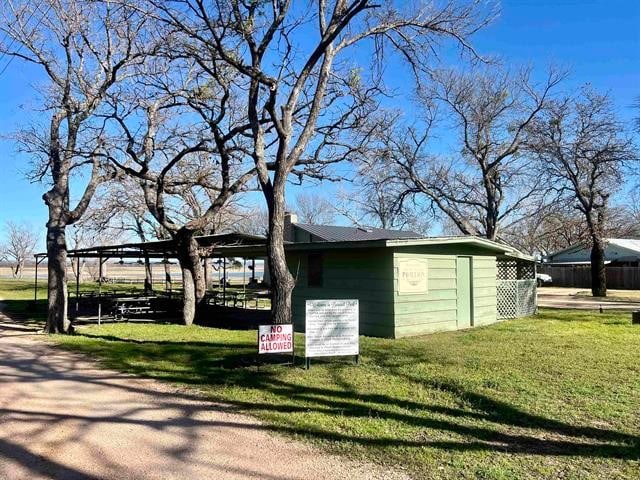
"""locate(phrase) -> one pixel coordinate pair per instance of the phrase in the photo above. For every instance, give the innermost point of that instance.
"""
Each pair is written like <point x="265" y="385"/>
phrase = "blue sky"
<point x="598" y="40"/>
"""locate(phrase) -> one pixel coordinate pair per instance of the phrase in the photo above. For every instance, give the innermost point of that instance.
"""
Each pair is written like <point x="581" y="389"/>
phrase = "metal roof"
<point x="499" y="249"/>
<point x="238" y="244"/>
<point x="632" y="244"/>
<point x="334" y="233"/>
<point x="161" y="248"/>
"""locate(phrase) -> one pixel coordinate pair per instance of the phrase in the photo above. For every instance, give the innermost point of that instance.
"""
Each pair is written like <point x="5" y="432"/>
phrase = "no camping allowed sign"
<point x="275" y="338"/>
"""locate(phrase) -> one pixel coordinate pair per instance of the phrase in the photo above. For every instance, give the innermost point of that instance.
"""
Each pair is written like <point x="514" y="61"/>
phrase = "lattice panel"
<point x="516" y="270"/>
<point x="527" y="291"/>
<point x="507" y="270"/>
<point x="507" y="292"/>
<point x="526" y="270"/>
<point x="516" y="298"/>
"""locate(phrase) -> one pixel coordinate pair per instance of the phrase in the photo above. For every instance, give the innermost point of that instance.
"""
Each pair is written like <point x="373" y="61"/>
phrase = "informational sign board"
<point x="412" y="277"/>
<point x="332" y="328"/>
<point x="275" y="338"/>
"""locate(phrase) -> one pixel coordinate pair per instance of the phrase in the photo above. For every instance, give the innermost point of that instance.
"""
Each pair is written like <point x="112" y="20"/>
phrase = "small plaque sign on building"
<point x="332" y="328"/>
<point x="412" y="277"/>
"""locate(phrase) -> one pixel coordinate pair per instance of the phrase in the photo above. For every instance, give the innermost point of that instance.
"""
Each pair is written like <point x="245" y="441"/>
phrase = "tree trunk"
<point x="282" y="282"/>
<point x="192" y="275"/>
<point x="148" y="275"/>
<point x="57" y="321"/>
<point x="167" y="275"/>
<point x="207" y="273"/>
<point x="598" y="272"/>
<point x="492" y="227"/>
<point x="17" y="273"/>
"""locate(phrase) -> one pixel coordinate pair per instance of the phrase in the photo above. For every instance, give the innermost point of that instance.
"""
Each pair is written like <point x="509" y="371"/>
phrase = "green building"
<point x="408" y="285"/>
<point x="405" y="284"/>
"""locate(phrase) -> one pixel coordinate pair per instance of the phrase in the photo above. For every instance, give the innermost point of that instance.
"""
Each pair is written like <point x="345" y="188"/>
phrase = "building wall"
<point x="365" y="274"/>
<point x="484" y="290"/>
<point x="371" y="276"/>
<point x="437" y="310"/>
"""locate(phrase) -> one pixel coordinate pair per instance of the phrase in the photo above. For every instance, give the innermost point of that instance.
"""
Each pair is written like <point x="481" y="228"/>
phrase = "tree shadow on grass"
<point x="184" y="344"/>
<point x="485" y="424"/>
<point x="32" y="314"/>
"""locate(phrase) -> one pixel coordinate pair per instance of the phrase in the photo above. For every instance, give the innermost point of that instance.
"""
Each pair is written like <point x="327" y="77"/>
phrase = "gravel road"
<point x="62" y="417"/>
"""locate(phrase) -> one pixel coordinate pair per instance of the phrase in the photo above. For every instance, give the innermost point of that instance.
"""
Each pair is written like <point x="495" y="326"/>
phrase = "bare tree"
<point x="304" y="103"/>
<point x="180" y="137"/>
<point x="636" y="120"/>
<point x="118" y="212"/>
<point x="84" y="48"/>
<point x="314" y="209"/>
<point x="20" y="245"/>
<point x="486" y="183"/>
<point x="255" y="221"/>
<point x="375" y="201"/>
<point x="625" y="216"/>
<point x="85" y="234"/>
<point x="583" y="149"/>
<point x="561" y="226"/>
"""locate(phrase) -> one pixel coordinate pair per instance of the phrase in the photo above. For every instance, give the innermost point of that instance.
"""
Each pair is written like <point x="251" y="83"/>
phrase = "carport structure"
<point x="210" y="246"/>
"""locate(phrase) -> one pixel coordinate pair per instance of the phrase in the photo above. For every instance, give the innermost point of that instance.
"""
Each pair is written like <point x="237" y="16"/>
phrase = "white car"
<point x="543" y="279"/>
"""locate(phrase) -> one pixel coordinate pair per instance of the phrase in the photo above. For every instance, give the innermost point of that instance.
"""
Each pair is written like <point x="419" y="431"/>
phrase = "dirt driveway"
<point x="63" y="418"/>
<point x="577" y="298"/>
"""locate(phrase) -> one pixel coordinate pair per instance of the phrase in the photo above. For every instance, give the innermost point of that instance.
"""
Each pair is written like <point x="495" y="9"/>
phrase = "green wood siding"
<point x="417" y="314"/>
<point x="371" y="276"/>
<point x="363" y="274"/>
<point x="449" y="293"/>
<point x="464" y="277"/>
<point x="484" y="290"/>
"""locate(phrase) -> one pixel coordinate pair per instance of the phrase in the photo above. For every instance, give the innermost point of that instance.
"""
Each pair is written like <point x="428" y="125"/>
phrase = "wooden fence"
<point x="624" y="278"/>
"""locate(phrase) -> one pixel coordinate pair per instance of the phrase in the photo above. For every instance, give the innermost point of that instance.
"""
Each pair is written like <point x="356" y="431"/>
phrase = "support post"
<point x="535" y="280"/>
<point x="35" y="283"/>
<point x="206" y="266"/>
<point x="224" y="281"/>
<point x="77" y="285"/>
<point x="293" y="346"/>
<point x="244" y="282"/>
<point x="99" y="289"/>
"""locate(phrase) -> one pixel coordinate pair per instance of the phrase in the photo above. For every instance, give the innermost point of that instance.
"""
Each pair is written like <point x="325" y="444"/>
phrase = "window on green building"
<point x="315" y="270"/>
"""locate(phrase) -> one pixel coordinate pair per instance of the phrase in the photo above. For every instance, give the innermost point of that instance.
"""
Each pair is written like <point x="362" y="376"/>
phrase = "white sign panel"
<point x="275" y="338"/>
<point x="331" y="328"/>
<point x="412" y="277"/>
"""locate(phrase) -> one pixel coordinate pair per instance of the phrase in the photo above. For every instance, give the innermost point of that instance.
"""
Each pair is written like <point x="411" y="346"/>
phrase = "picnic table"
<point x="237" y="297"/>
<point x="125" y="307"/>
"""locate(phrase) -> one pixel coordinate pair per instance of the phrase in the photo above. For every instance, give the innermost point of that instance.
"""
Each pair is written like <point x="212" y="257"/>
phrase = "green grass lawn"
<point x="552" y="396"/>
<point x="18" y="297"/>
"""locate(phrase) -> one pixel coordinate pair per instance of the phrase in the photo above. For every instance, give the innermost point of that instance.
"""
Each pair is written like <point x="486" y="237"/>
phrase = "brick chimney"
<point x="289" y="220"/>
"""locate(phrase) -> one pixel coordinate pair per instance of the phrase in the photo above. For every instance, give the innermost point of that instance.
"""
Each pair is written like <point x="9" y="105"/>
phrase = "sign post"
<point x="332" y="329"/>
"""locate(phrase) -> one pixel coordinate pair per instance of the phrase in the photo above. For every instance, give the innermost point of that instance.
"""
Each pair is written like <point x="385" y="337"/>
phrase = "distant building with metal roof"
<point x="618" y="251"/>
